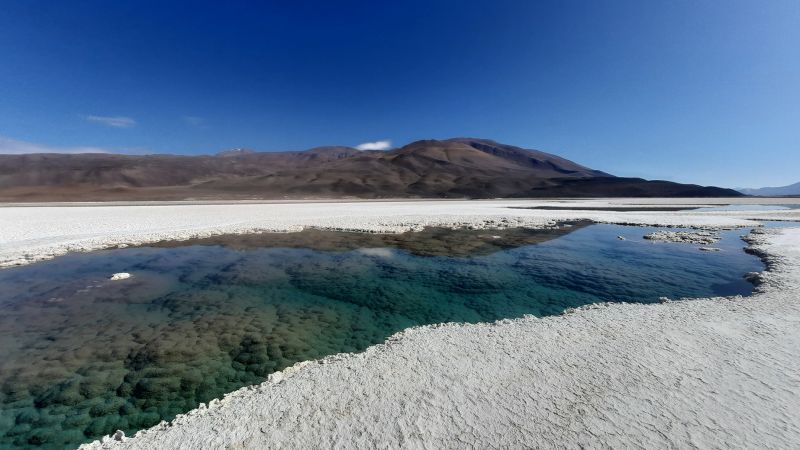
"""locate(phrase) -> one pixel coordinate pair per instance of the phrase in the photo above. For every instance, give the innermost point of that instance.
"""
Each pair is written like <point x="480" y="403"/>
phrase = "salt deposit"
<point x="120" y="276"/>
<point x="689" y="237"/>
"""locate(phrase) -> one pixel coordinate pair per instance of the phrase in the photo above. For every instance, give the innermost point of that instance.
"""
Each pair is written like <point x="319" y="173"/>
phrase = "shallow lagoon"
<point x="81" y="356"/>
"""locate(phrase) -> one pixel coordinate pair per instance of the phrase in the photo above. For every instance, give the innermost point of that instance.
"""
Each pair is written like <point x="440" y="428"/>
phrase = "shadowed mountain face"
<point x="453" y="168"/>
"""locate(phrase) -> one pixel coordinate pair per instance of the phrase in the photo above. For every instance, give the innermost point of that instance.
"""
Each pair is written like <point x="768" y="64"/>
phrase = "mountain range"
<point x="451" y="168"/>
<point x="792" y="189"/>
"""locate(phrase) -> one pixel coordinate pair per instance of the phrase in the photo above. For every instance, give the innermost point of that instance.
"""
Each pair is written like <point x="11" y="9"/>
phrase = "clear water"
<point x="81" y="356"/>
<point x="780" y="223"/>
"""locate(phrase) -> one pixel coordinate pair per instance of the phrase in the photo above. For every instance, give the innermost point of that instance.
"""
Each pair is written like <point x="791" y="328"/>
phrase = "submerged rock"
<point x="753" y="277"/>
<point x="120" y="276"/>
<point x="709" y="249"/>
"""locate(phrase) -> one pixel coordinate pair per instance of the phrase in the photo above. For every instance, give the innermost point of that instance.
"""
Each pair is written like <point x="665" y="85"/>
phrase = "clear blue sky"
<point x="694" y="91"/>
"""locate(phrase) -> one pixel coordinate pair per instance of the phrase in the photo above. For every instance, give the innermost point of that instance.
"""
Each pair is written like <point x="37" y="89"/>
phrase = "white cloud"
<point x="194" y="121"/>
<point x="116" y="122"/>
<point x="10" y="146"/>
<point x="377" y="145"/>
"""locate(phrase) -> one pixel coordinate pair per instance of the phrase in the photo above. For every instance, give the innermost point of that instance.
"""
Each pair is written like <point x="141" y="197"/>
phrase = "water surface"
<point x="81" y="356"/>
<point x="751" y="207"/>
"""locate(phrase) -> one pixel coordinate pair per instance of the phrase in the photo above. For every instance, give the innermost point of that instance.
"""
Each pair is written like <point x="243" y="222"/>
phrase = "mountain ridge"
<point x="450" y="168"/>
<point x="792" y="189"/>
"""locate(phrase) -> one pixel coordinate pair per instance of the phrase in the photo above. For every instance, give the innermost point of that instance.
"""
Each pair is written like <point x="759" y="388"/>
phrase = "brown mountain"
<point x="452" y="168"/>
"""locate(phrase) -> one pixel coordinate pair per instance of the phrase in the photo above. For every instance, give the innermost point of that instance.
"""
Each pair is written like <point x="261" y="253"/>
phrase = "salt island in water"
<point x="82" y="355"/>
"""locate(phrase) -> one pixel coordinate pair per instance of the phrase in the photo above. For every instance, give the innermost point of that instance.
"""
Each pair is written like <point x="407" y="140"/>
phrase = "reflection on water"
<point x="81" y="356"/>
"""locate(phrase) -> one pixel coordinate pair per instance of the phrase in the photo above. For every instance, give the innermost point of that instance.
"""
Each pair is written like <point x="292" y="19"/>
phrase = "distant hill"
<point x="792" y="189"/>
<point x="452" y="168"/>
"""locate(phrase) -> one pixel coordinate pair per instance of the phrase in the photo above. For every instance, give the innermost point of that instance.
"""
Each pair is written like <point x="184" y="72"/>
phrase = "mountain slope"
<point x="530" y="158"/>
<point x="792" y="189"/>
<point x="452" y="168"/>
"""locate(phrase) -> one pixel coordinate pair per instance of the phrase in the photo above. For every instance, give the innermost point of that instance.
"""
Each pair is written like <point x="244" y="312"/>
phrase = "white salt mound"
<point x="689" y="237"/>
<point x="120" y="276"/>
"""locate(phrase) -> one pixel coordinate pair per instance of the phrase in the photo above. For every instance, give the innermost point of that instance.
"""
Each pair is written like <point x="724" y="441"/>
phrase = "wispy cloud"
<point x="10" y="146"/>
<point x="194" y="121"/>
<point x="377" y="145"/>
<point x="112" y="121"/>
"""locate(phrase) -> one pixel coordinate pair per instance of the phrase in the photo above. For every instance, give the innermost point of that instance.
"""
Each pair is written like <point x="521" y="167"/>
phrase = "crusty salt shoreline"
<point x="717" y="372"/>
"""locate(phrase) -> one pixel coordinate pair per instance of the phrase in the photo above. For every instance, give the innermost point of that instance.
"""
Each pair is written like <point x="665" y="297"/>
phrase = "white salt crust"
<point x="33" y="233"/>
<point x="120" y="276"/>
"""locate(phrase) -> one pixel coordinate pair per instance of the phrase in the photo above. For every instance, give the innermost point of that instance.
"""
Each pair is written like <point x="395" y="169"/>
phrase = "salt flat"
<point x="710" y="373"/>
<point x="32" y="233"/>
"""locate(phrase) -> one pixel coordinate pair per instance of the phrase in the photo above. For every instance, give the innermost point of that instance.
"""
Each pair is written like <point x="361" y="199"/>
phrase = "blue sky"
<point x="692" y="91"/>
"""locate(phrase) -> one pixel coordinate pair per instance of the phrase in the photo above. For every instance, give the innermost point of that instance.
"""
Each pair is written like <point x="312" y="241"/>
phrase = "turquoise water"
<point x="81" y="356"/>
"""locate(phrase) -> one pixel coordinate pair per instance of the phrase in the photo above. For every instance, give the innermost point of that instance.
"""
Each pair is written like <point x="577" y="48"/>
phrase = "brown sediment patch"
<point x="431" y="241"/>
